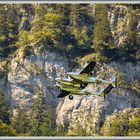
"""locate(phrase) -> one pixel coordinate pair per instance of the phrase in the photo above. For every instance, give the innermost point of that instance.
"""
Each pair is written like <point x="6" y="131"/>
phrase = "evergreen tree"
<point x="102" y="33"/>
<point x="6" y="130"/>
<point x="8" y="29"/>
<point x="47" y="26"/>
<point x="3" y="25"/>
<point x="124" y="124"/>
<point x="21" y="123"/>
<point x="79" y="22"/>
<point x="47" y="126"/>
<point x="4" y="110"/>
<point x="134" y="127"/>
<point x="12" y="24"/>
<point x="41" y="121"/>
<point x="37" y="111"/>
<point x="132" y="45"/>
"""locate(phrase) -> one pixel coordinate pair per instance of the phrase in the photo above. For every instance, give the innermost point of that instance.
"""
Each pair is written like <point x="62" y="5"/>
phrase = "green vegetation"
<point x="21" y="122"/>
<point x="4" y="110"/>
<point x="69" y="29"/>
<point x="132" y="44"/>
<point x="41" y="121"/>
<point x="78" y="131"/>
<point x="4" y="69"/>
<point x="134" y="85"/>
<point x="124" y="124"/>
<point x="102" y="40"/>
<point x="6" y="130"/>
<point x="37" y="122"/>
<point x="134" y="127"/>
<point x="8" y="29"/>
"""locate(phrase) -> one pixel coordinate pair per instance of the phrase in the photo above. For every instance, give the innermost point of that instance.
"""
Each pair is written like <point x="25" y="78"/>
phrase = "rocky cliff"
<point x="25" y="76"/>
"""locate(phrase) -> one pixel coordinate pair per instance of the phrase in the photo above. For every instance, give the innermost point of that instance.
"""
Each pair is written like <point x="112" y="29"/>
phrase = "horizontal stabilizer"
<point x="63" y="94"/>
<point x="107" y="90"/>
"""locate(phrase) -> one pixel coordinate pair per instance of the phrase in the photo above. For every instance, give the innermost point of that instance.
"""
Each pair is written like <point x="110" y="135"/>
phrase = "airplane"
<point x="76" y="83"/>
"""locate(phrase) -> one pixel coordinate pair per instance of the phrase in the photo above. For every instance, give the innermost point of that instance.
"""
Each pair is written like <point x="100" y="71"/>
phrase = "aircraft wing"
<point x="67" y="83"/>
<point x="106" y="90"/>
<point x="89" y="68"/>
<point x="84" y="78"/>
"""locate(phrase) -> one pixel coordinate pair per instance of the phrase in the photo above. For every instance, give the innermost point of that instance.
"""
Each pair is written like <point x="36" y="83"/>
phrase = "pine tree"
<point x="4" y="109"/>
<point x="21" y="123"/>
<point x="79" y="21"/>
<point x="47" y="27"/>
<point x="3" y="25"/>
<point x="134" y="127"/>
<point x="12" y="24"/>
<point x="36" y="117"/>
<point x="41" y="121"/>
<point x="102" y="33"/>
<point x="131" y="43"/>
<point x="47" y="127"/>
<point x="6" y="130"/>
<point x="8" y="29"/>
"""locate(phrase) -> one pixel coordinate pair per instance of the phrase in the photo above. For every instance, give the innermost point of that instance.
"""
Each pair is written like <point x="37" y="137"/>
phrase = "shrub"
<point x="126" y="123"/>
<point x="6" y="130"/>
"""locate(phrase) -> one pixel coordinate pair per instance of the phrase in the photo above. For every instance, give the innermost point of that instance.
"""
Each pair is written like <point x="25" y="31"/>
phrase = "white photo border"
<point x="69" y="2"/>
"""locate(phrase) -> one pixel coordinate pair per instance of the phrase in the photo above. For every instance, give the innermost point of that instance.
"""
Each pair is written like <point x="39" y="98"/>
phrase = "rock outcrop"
<point x="36" y="71"/>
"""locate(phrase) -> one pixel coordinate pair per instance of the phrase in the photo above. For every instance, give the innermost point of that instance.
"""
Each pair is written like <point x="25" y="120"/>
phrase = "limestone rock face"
<point x="118" y="23"/>
<point x="37" y="71"/>
<point x="119" y="16"/>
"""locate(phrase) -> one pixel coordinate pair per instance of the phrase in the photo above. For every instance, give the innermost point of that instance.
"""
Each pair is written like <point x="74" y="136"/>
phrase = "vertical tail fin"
<point x="115" y="82"/>
<point x="89" y="68"/>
